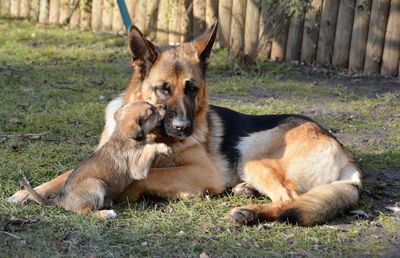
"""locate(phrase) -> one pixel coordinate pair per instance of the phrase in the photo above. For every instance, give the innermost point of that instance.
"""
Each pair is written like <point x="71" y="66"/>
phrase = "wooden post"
<point x="108" y="11"/>
<point x="252" y="22"/>
<point x="76" y="16"/>
<point x="344" y="29"/>
<point x="295" y="37"/>
<point x="140" y="13"/>
<point x="224" y="17"/>
<point x="279" y="41"/>
<point x="34" y="10"/>
<point x="327" y="32"/>
<point x="174" y="35"/>
<point x="44" y="11"/>
<point x="199" y="17"/>
<point x="117" y="24"/>
<point x="236" y="41"/>
<point x="24" y="8"/>
<point x="162" y="22"/>
<point x="359" y="36"/>
<point x="311" y="31"/>
<point x="14" y="8"/>
<point x="54" y="11"/>
<point x="5" y="8"/>
<point x="265" y="39"/>
<point x="376" y="36"/>
<point x="151" y="19"/>
<point x="131" y="6"/>
<point x="391" y="52"/>
<point x="187" y="21"/>
<point x="97" y="14"/>
<point x="211" y="12"/>
<point x="86" y="16"/>
<point x="64" y="10"/>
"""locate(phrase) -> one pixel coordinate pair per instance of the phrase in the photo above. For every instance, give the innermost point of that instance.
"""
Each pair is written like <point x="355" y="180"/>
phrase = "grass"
<point x="57" y="83"/>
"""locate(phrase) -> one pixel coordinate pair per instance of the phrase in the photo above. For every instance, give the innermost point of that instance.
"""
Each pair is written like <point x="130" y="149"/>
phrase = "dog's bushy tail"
<point x="36" y="197"/>
<point x="321" y="203"/>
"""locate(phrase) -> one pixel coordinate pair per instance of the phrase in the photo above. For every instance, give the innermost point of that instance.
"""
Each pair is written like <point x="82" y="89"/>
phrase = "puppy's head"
<point x="136" y="119"/>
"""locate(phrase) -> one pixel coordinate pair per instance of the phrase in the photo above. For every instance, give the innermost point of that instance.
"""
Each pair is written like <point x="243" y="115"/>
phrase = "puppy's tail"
<point x="36" y="197"/>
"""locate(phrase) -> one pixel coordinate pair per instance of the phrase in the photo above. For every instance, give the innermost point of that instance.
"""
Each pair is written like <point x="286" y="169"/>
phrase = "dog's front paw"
<point x="20" y="197"/>
<point x="164" y="149"/>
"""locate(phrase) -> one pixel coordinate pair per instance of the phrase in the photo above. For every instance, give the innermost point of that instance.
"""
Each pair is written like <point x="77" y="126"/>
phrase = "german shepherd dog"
<point x="125" y="157"/>
<point x="301" y="167"/>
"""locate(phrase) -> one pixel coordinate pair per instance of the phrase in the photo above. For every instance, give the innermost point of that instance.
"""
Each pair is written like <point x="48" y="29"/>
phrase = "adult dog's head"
<point x="174" y="76"/>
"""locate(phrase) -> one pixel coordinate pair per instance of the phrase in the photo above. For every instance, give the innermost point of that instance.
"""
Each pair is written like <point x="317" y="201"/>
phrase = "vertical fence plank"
<point x="391" y="52"/>
<point x="252" y="22"/>
<point x="211" y="12"/>
<point x="5" y="7"/>
<point x="64" y="7"/>
<point x="131" y="6"/>
<point x="117" y="24"/>
<point x="75" y="16"/>
<point x="151" y="19"/>
<point x="14" y="8"/>
<point x="140" y="13"/>
<point x="34" y="10"/>
<point x="295" y="37"/>
<point x="224" y="17"/>
<point x="359" y="36"/>
<point x="86" y="14"/>
<point x="107" y="14"/>
<point x="97" y="14"/>
<point x="174" y="33"/>
<point x="264" y="37"/>
<point x="54" y="11"/>
<point x="24" y="8"/>
<point x="199" y="17"/>
<point x="278" y="47"/>
<point x="327" y="32"/>
<point x="187" y="20"/>
<point x="236" y="41"/>
<point x="162" y="22"/>
<point x="344" y="29"/>
<point x="44" y="11"/>
<point x="311" y="31"/>
<point x="376" y="36"/>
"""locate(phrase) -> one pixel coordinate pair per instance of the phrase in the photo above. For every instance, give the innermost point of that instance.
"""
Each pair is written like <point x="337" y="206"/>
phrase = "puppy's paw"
<point x="105" y="214"/>
<point x="20" y="197"/>
<point x="164" y="149"/>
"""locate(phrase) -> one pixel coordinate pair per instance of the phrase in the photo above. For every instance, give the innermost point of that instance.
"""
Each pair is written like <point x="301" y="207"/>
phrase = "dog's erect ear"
<point x="205" y="42"/>
<point x="143" y="52"/>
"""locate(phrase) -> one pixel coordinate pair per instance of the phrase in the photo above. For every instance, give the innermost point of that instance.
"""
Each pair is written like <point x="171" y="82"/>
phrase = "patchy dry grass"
<point x="57" y="82"/>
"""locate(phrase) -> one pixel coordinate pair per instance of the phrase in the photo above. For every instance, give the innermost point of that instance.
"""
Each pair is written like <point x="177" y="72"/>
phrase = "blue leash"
<point x="125" y="14"/>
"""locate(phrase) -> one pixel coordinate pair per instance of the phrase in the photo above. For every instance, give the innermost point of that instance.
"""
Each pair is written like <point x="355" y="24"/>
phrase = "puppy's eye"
<point x="190" y="88"/>
<point x="163" y="89"/>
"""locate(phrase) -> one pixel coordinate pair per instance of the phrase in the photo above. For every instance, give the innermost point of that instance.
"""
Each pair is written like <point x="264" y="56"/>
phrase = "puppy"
<point x="108" y="171"/>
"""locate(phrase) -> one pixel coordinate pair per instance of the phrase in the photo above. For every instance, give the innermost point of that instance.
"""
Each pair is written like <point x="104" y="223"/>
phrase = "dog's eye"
<point x="190" y="88"/>
<point x="163" y="89"/>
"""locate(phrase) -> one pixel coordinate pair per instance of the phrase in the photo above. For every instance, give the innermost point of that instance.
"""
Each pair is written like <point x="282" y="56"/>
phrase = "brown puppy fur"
<point x="301" y="167"/>
<point x="107" y="172"/>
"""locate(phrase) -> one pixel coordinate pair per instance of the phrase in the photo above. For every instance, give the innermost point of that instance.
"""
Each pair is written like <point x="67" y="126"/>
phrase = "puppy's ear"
<point x="144" y="53"/>
<point x="137" y="133"/>
<point x="205" y="42"/>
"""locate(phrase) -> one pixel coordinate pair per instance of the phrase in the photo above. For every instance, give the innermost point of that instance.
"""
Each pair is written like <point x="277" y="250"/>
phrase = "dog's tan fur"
<point x="123" y="158"/>
<point x="305" y="171"/>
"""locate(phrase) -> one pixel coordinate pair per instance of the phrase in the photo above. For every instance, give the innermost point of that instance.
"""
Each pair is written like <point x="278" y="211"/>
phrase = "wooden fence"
<point x="361" y="36"/>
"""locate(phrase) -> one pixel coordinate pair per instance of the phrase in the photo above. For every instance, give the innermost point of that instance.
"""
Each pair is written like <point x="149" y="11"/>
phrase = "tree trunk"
<point x="108" y="11"/>
<point x="344" y="29"/>
<point x="199" y="17"/>
<point x="236" y="41"/>
<point x="5" y="8"/>
<point x="24" y="7"/>
<point x="360" y="34"/>
<point x="252" y="22"/>
<point x="278" y="47"/>
<point x="265" y="38"/>
<point x="376" y="36"/>
<point x="140" y="13"/>
<point x="14" y="8"/>
<point x="34" y="11"/>
<point x="86" y="14"/>
<point x="44" y="11"/>
<point x="311" y="31"/>
<point x="117" y="25"/>
<point x="151" y="18"/>
<point x="75" y="17"/>
<point x="187" y="21"/>
<point x="97" y="13"/>
<point x="174" y="34"/>
<point x="64" y="7"/>
<point x="391" y="52"/>
<point x="211" y="12"/>
<point x="327" y="32"/>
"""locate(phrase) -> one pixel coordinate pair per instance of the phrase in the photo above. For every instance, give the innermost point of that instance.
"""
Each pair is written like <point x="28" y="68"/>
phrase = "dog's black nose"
<point x="180" y="125"/>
